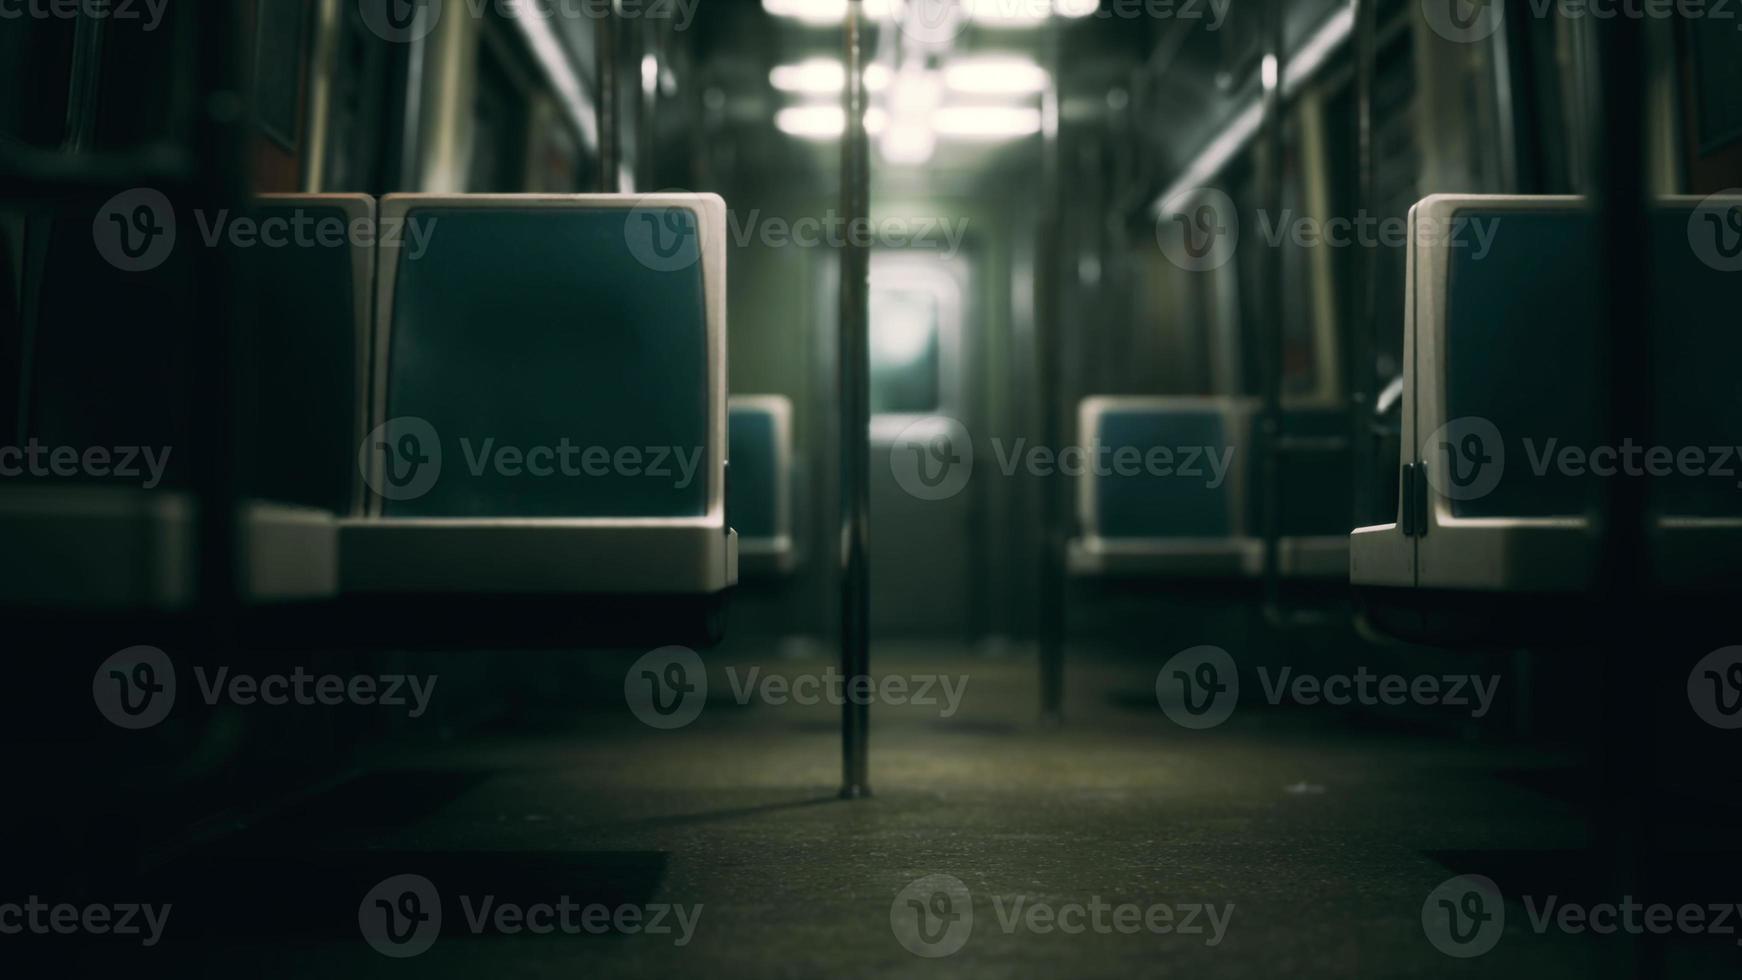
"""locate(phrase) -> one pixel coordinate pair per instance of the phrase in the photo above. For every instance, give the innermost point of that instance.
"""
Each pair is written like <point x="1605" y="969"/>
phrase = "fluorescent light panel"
<point x="823" y="76"/>
<point x="990" y="13"/>
<point x="995" y="75"/>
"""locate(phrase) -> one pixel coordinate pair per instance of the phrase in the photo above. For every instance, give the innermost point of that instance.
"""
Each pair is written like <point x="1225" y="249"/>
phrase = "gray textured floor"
<point x="1325" y="836"/>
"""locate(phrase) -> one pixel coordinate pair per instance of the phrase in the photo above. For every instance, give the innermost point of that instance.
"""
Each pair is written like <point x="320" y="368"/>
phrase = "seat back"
<point x="1503" y="399"/>
<point x="759" y="496"/>
<point x="311" y="277"/>
<point x="1517" y="343"/>
<point x="1155" y="477"/>
<point x="565" y="354"/>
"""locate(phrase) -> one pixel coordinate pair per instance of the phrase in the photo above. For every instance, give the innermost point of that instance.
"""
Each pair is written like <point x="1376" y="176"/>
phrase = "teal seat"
<point x="549" y="411"/>
<point x="759" y="498"/>
<point x="1152" y="504"/>
<point x="1504" y="471"/>
<point x="525" y="327"/>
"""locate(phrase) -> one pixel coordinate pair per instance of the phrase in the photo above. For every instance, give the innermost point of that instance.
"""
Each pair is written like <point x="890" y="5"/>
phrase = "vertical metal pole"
<point x="605" y="53"/>
<point x="220" y="182"/>
<point x="1271" y="307"/>
<point x="1625" y="409"/>
<point x="87" y="74"/>
<point x="855" y="396"/>
<point x="1363" y="382"/>
<point x="1049" y="259"/>
<point x="653" y="46"/>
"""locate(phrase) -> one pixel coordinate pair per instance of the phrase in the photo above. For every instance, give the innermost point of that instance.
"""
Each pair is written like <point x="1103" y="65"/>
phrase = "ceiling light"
<point x="823" y="76"/>
<point x="812" y="121"/>
<point x="986" y="122"/>
<point x="824" y="13"/>
<point x="998" y="75"/>
<point x="824" y="122"/>
<point x="813" y="76"/>
<point x="1008" y="13"/>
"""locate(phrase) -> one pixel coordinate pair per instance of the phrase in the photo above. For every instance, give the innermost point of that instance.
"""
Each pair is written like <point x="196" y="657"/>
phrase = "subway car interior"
<point x="1080" y="488"/>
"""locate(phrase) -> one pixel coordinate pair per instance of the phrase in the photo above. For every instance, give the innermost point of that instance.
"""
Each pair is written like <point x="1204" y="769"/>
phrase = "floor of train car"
<point x="1325" y="830"/>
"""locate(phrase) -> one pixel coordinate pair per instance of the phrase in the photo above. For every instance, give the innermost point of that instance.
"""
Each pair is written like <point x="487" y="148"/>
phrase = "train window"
<point x="904" y="351"/>
<point x="278" y="70"/>
<point x="915" y="325"/>
<point x="1717" y="68"/>
<point x="499" y="136"/>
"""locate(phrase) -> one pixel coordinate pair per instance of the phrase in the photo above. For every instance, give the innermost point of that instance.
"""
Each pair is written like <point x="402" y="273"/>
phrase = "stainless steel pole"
<point x="855" y="398"/>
